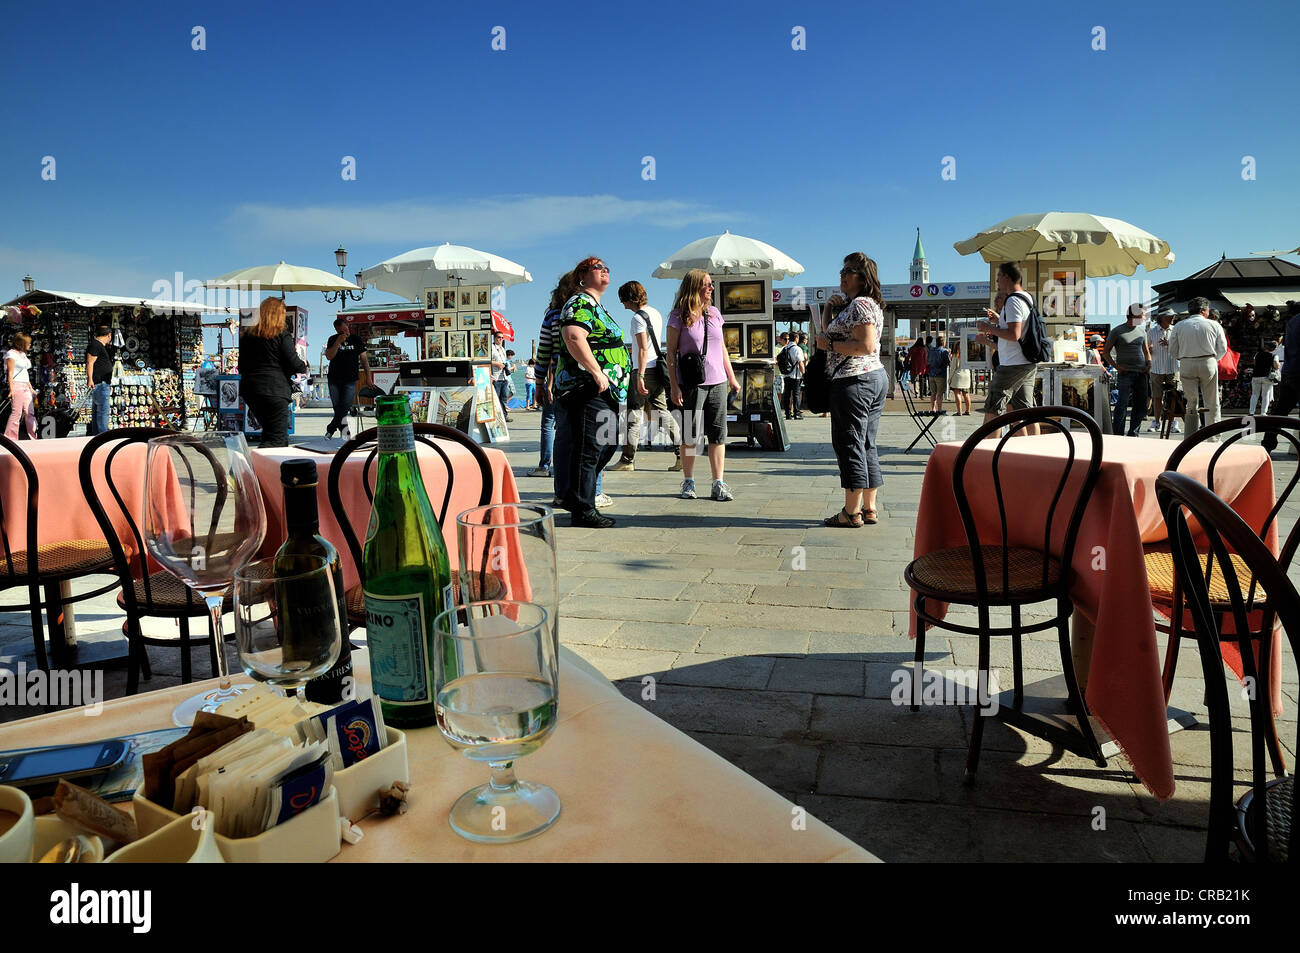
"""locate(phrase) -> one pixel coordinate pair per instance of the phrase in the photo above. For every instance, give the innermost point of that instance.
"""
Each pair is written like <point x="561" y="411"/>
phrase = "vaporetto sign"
<point x="797" y="296"/>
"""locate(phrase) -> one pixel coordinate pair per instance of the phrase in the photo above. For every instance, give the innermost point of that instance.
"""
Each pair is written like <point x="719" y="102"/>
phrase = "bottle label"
<point x="399" y="667"/>
<point x="396" y="439"/>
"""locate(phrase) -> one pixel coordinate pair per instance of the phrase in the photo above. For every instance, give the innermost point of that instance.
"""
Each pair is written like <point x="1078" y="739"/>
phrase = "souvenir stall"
<point x="156" y="345"/>
<point x="743" y="270"/>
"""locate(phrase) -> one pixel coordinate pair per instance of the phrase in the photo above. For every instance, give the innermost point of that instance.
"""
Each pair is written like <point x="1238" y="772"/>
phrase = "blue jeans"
<point x="99" y="409"/>
<point x="563" y="442"/>
<point x="1132" y="390"/>
<point x="530" y="390"/>
<point x="501" y="394"/>
<point x="341" y="398"/>
<point x="548" y="434"/>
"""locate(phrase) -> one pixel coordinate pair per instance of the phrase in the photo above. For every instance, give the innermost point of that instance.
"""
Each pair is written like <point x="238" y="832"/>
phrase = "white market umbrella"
<point x="282" y="278"/>
<point x="729" y="254"/>
<point x="436" y="266"/>
<point x="1106" y="246"/>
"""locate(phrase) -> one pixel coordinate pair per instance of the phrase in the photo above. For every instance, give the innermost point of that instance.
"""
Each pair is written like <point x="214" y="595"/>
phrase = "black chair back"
<point x="1226" y="533"/>
<point x="98" y="457"/>
<point x="367" y="442"/>
<point x="1230" y="432"/>
<point x="8" y="575"/>
<point x="1048" y="419"/>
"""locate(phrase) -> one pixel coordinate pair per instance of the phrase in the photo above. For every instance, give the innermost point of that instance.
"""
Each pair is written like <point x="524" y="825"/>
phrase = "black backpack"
<point x="1034" y="342"/>
<point x="785" y="361"/>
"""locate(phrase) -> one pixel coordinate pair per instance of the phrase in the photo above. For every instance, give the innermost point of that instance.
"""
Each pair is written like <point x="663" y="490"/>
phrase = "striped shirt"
<point x="547" y="339"/>
<point x="1162" y="362"/>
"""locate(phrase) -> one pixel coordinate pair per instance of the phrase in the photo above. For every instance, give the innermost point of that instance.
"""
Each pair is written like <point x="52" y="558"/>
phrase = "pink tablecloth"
<point x="1124" y="690"/>
<point x="465" y="493"/>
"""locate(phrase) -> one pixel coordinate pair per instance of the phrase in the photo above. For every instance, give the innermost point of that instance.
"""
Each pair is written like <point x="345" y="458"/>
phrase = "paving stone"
<point x="832" y="580"/>
<point x="721" y="710"/>
<point x="575" y="631"/>
<point x="721" y="671"/>
<point x="651" y="610"/>
<point x="900" y="831"/>
<point x="657" y="636"/>
<point x="743" y="640"/>
<point x="673" y="570"/>
<point x="790" y="596"/>
<point x="819" y="676"/>
<point x="1011" y="836"/>
<point x="708" y="592"/>
<point x="723" y="574"/>
<point x="794" y="617"/>
<point x="869" y="598"/>
<point x="782" y="765"/>
<point x="879" y="771"/>
<point x="875" y="646"/>
<point x="621" y="663"/>
<point x="877" y="721"/>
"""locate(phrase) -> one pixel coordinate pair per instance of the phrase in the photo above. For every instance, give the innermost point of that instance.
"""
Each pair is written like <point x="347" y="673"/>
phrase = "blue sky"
<point x="170" y="159"/>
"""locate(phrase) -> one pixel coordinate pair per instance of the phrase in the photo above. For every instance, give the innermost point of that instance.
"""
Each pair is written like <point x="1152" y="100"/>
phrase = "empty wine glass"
<point x="507" y="551"/>
<point x="496" y="679"/>
<point x="287" y="623"/>
<point x="203" y="519"/>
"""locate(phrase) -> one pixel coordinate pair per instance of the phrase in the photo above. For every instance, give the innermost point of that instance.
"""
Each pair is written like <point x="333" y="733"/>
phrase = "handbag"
<point x="1228" y="365"/>
<point x="690" y="367"/>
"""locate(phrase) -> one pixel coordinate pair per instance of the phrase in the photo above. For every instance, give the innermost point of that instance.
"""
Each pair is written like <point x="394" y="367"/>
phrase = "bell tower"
<point x="920" y="271"/>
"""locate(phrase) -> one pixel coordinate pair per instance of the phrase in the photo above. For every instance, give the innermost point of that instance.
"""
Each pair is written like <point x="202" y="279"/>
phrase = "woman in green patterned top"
<point x="590" y="382"/>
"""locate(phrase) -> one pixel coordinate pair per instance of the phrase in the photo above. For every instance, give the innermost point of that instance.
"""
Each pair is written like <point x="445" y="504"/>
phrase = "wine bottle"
<point x="302" y="522"/>
<point x="407" y="574"/>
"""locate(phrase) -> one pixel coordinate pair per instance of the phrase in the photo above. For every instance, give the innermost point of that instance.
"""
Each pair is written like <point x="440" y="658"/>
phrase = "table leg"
<point x="69" y="614"/>
<point x="1081" y="633"/>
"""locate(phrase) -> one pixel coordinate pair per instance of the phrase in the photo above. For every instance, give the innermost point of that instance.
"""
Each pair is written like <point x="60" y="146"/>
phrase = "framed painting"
<point x="483" y="297"/>
<point x="432" y="300"/>
<point x="467" y="320"/>
<point x="448" y="299"/>
<point x="457" y="344"/>
<point x="974" y="351"/>
<point x="733" y="336"/>
<point x="758" y="388"/>
<point x="446" y="321"/>
<point x="465" y="298"/>
<point x="485" y="408"/>
<point x="435" y="345"/>
<point x="760" y="340"/>
<point x="480" y="345"/>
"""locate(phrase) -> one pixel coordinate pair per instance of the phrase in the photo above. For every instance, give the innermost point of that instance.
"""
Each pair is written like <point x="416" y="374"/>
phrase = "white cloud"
<point x="512" y="220"/>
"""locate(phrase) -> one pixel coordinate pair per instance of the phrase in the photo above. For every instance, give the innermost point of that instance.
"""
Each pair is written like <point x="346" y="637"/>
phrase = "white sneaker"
<point x="346" y="432"/>
<point x="688" y="489"/>
<point x="1155" y="426"/>
<point x="603" y="501"/>
<point x="1177" y="428"/>
<point x="720" y="492"/>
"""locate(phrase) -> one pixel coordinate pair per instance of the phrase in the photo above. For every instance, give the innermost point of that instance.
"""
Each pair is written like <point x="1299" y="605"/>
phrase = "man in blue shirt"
<point x="1288" y="391"/>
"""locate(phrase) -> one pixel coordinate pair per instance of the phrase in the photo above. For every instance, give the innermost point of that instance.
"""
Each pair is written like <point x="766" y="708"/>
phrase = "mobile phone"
<point x="44" y="765"/>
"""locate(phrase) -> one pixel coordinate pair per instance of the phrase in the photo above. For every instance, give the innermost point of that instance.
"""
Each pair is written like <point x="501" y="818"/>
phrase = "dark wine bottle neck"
<point x="300" y="515"/>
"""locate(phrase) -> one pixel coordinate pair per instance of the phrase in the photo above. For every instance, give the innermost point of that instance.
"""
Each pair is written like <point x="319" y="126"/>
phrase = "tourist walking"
<point x="1267" y="373"/>
<point x="1197" y="343"/>
<point x="530" y="384"/>
<point x="937" y="360"/>
<point x="1164" y="369"/>
<point x="791" y="361"/>
<point x="647" y="395"/>
<point x="99" y="378"/>
<point x="1127" y="349"/>
<point x="346" y="353"/>
<point x="591" y="380"/>
<point x="700" y="377"/>
<point x="18" y="368"/>
<point x="858" y="382"/>
<point x="502" y="367"/>
<point x="1013" y="380"/>
<point x="1288" y="390"/>
<point x="267" y="360"/>
<point x="916" y="356"/>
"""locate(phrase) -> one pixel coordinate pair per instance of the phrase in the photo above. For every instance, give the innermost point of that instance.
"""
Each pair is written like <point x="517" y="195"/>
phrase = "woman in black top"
<point x="267" y="360"/>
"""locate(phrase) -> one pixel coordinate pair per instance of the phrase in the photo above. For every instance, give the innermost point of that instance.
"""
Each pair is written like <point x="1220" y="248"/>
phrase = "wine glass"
<point x="497" y="682"/>
<point x="203" y="519"/>
<point x="287" y="623"/>
<point x="507" y="551"/>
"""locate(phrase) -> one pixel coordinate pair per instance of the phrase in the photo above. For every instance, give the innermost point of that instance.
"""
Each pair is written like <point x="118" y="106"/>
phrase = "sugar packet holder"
<point x="354" y="732"/>
<point x="359" y="786"/>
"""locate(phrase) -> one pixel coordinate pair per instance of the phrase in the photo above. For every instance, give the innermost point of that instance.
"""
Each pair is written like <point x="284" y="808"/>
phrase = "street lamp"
<point x="343" y="295"/>
<point x="29" y="284"/>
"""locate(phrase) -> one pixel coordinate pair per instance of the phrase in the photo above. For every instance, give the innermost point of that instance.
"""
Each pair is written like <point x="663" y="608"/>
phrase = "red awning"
<point x="384" y="315"/>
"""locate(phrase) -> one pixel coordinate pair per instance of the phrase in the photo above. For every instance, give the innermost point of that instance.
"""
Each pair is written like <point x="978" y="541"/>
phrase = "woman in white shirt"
<point x="17" y="370"/>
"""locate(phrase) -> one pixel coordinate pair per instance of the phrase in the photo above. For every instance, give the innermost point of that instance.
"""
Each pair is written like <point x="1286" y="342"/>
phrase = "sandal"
<point x="869" y="516"/>
<point x="849" y="519"/>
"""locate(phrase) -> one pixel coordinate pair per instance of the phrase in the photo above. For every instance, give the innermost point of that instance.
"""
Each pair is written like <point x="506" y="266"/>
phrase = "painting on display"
<point x="975" y="355"/>
<point x="467" y="320"/>
<point x="732" y="336"/>
<point x="421" y="399"/>
<point x="465" y="301"/>
<point x="1078" y="391"/>
<point x="435" y="345"/>
<point x="758" y="388"/>
<point x="760" y="340"/>
<point x="741" y="297"/>
<point x="484" y="394"/>
<point x="446" y="320"/>
<point x="228" y="395"/>
<point x="735" y="401"/>
<point x="457" y="344"/>
<point x="432" y="299"/>
<point x="448" y="296"/>
<point x="480" y="345"/>
<point x="483" y="297"/>
<point x="451" y="408"/>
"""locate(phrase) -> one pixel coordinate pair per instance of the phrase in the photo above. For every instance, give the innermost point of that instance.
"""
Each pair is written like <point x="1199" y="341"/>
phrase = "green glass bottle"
<point x="407" y="574"/>
<point x="302" y="522"/>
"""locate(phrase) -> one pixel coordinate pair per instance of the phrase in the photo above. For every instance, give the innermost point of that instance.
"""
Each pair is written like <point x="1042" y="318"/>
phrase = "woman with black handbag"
<point x="857" y="382"/>
<point x="268" y="359"/>
<point x="700" y="377"/>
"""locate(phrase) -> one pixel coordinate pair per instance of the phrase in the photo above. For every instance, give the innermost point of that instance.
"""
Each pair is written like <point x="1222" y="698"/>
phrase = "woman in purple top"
<point x="690" y="320"/>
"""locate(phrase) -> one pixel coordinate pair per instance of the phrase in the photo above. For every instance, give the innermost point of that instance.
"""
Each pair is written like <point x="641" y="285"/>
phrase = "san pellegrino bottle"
<point x="407" y="574"/>
<point x="302" y="521"/>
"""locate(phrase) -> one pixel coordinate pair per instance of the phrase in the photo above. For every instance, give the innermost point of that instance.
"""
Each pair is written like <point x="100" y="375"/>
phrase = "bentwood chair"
<point x="1263" y="821"/>
<point x="25" y="562"/>
<point x="366" y="443"/>
<point x="924" y="419"/>
<point x="1166" y="596"/>
<point x="993" y="572"/>
<point x="157" y="594"/>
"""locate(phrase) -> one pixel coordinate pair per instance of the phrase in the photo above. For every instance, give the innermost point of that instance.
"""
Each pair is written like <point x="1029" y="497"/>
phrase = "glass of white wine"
<point x="496" y="678"/>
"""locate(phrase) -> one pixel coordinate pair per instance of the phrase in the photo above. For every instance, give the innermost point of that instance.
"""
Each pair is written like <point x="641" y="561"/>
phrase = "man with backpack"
<point x="790" y="361"/>
<point x="1017" y="325"/>
<point x="937" y="360"/>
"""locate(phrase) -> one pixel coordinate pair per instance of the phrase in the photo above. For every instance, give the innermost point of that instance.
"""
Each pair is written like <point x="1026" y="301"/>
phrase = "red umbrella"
<point x="499" y="323"/>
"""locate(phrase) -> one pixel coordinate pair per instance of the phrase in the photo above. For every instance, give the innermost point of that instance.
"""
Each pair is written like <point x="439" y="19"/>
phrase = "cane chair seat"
<point x="949" y="574"/>
<point x="1277" y="818"/>
<point x="170" y="597"/>
<point x="1160" y="579"/>
<point x="70" y="557"/>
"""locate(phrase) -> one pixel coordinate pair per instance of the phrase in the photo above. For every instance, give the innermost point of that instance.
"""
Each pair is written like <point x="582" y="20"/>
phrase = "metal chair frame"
<point x="918" y="416"/>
